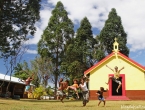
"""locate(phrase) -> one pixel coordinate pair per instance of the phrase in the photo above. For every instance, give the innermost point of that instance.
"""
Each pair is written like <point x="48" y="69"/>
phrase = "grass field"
<point x="33" y="104"/>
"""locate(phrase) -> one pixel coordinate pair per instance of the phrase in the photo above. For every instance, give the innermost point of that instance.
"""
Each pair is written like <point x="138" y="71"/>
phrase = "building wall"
<point x="19" y="90"/>
<point x="14" y="88"/>
<point x="99" y="76"/>
<point x="135" y="94"/>
<point x="94" y="96"/>
<point x="134" y="78"/>
<point x="131" y="94"/>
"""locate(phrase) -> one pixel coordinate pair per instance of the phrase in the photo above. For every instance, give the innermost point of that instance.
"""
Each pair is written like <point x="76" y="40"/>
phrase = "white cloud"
<point x="31" y="51"/>
<point x="41" y="24"/>
<point x="130" y="11"/>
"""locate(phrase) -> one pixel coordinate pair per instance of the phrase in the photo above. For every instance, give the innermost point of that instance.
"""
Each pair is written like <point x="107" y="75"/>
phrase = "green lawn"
<point x="33" y="104"/>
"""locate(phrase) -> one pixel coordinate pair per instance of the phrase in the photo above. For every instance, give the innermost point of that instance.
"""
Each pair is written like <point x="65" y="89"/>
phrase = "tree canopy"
<point x="17" y="19"/>
<point x="55" y="38"/>
<point x="114" y="28"/>
<point x="78" y="55"/>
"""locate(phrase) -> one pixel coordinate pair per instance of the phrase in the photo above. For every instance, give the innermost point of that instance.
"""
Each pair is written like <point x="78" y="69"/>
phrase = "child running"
<point x="61" y="89"/>
<point x="100" y="95"/>
<point x="85" y="91"/>
<point x="74" y="87"/>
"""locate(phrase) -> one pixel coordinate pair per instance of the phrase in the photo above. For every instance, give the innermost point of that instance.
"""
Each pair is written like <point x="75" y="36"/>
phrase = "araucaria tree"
<point x="84" y="44"/>
<point x="55" y="37"/>
<point x="79" y="52"/>
<point x="114" y="28"/>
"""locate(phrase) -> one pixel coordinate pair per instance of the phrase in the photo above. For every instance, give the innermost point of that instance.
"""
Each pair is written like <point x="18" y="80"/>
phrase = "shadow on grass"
<point x="51" y="101"/>
<point x="126" y="104"/>
<point x="3" y="103"/>
<point x="75" y="106"/>
<point x="35" y="100"/>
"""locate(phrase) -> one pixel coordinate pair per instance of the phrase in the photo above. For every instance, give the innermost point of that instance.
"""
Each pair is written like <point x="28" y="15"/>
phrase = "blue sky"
<point x="130" y="11"/>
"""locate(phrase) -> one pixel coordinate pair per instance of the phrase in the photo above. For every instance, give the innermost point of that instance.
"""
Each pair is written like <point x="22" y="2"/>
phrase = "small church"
<point x="132" y="77"/>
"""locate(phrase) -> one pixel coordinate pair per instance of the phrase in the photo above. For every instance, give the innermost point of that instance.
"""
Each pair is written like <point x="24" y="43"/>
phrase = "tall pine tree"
<point x="55" y="37"/>
<point x="99" y="51"/>
<point x="84" y="43"/>
<point x="79" y="52"/>
<point x="114" y="28"/>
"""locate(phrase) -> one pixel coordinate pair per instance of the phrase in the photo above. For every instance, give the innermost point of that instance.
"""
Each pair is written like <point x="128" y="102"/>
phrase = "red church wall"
<point x="126" y="94"/>
<point x="131" y="94"/>
<point x="135" y="94"/>
<point x="94" y="96"/>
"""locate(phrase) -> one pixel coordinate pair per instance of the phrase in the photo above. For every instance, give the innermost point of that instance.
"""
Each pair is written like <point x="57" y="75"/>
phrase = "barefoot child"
<point x="27" y="83"/>
<point x="100" y="95"/>
<point x="74" y="87"/>
<point x="85" y="91"/>
<point x="116" y="76"/>
<point x="62" y="88"/>
<point x="59" y="88"/>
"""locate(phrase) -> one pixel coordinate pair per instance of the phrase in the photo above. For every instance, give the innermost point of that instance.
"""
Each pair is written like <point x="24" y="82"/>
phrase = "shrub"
<point x="38" y="92"/>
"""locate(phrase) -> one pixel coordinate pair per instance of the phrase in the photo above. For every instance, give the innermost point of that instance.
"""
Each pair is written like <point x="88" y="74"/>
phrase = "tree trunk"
<point x="55" y="91"/>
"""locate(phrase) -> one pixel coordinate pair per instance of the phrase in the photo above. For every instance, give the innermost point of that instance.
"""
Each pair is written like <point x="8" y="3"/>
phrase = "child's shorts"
<point x="74" y="88"/>
<point x="27" y="88"/>
<point x="101" y="99"/>
<point x="116" y="80"/>
<point x="60" y="93"/>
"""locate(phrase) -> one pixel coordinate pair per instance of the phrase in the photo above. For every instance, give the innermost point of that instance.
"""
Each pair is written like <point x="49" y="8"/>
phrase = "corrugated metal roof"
<point x="7" y="78"/>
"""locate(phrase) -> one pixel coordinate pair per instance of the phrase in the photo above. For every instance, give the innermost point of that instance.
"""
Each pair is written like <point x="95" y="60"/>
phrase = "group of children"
<point x="64" y="86"/>
<point x="83" y="86"/>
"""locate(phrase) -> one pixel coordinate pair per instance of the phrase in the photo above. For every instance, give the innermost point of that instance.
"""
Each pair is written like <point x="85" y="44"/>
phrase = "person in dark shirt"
<point x="100" y="95"/>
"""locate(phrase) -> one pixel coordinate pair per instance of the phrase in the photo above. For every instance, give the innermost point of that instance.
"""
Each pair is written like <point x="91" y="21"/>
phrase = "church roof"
<point x="117" y="54"/>
<point x="127" y="59"/>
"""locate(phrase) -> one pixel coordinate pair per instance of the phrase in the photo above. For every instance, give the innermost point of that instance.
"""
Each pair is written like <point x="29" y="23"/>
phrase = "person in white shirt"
<point x="85" y="91"/>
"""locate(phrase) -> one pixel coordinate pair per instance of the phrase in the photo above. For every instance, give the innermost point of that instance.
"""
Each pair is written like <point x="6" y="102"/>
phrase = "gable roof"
<point x="13" y="79"/>
<point x="112" y="55"/>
